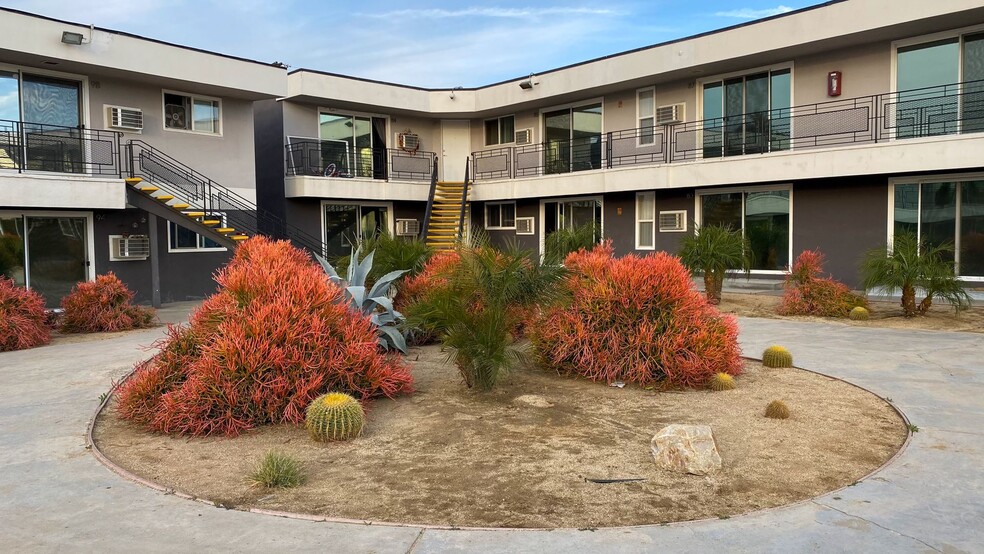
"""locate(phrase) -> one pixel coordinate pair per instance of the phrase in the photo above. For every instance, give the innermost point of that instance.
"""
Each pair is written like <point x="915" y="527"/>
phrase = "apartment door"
<point x="455" y="148"/>
<point x="49" y="254"/>
<point x="572" y="138"/>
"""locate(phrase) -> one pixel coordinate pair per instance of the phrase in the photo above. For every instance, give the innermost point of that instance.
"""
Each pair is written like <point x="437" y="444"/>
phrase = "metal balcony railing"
<point x="932" y="111"/>
<point x="329" y="158"/>
<point x="28" y="147"/>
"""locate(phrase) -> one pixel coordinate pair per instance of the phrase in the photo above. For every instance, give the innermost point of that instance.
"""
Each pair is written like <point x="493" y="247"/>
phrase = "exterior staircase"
<point x="446" y="227"/>
<point x="167" y="188"/>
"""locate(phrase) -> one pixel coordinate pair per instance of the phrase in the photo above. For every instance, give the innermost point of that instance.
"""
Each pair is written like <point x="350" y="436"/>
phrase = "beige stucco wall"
<point x="866" y="71"/>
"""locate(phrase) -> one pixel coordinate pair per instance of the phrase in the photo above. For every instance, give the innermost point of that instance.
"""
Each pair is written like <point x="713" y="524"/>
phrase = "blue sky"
<point x="426" y="43"/>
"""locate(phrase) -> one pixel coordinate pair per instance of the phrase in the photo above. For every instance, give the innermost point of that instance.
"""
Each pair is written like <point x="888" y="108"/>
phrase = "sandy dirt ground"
<point x="521" y="455"/>
<point x="941" y="317"/>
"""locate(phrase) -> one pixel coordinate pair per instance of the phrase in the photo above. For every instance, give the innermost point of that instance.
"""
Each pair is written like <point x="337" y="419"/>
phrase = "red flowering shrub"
<point x="270" y="341"/>
<point x="103" y="305"/>
<point x="22" y="317"/>
<point x="435" y="274"/>
<point x="637" y="320"/>
<point x="807" y="293"/>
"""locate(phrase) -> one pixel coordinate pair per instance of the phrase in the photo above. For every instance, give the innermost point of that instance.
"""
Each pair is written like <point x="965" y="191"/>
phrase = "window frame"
<point x="639" y="117"/>
<point x="920" y="180"/>
<point x="498" y="120"/>
<point x="639" y="198"/>
<point x="699" y="216"/>
<point x="191" y="117"/>
<point x="200" y="240"/>
<point x="500" y="227"/>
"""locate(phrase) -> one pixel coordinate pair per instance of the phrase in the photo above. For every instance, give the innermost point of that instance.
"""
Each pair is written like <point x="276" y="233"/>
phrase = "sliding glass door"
<point x="40" y="123"/>
<point x="747" y="114"/>
<point x="355" y="145"/>
<point x="572" y="139"/>
<point x="48" y="254"/>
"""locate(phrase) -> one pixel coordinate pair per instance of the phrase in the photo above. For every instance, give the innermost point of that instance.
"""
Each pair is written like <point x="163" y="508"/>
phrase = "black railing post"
<point x="608" y="150"/>
<point x="430" y="199"/>
<point x="464" y="202"/>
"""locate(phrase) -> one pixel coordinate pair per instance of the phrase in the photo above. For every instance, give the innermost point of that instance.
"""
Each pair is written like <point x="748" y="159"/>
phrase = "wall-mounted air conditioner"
<point x="666" y="115"/>
<point x="128" y="248"/>
<point x="524" y="136"/>
<point x="407" y="227"/>
<point x="408" y="141"/>
<point x="524" y="226"/>
<point x="673" y="221"/>
<point x="129" y="119"/>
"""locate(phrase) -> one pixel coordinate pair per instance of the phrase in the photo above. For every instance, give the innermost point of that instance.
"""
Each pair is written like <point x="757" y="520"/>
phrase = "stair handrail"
<point x="464" y="201"/>
<point x="212" y="193"/>
<point x="430" y="199"/>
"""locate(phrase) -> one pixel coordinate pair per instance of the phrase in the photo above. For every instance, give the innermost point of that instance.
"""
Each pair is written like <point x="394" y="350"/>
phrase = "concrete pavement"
<point x="55" y="496"/>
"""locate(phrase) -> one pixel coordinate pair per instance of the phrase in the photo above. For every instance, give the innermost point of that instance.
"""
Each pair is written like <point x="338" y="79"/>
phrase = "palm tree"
<point x="483" y="303"/>
<point x="913" y="265"/>
<point x="713" y="250"/>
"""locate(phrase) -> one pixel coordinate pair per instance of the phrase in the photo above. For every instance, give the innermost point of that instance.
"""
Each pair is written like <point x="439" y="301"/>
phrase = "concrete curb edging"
<point x="130" y="476"/>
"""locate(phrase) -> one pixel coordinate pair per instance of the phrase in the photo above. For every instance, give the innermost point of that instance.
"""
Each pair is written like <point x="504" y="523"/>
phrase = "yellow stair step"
<point x="180" y="206"/>
<point x="164" y="198"/>
<point x="211" y="222"/>
<point x="133" y="180"/>
<point x="225" y="230"/>
<point x="239" y="237"/>
<point x="194" y="214"/>
<point x="149" y="190"/>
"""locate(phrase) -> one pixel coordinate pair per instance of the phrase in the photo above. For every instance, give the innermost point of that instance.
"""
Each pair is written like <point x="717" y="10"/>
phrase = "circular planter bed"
<point x="524" y="454"/>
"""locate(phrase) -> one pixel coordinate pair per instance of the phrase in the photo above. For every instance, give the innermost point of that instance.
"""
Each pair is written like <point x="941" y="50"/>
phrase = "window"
<point x="945" y="212"/>
<point x="355" y="145"/>
<point x="501" y="130"/>
<point x="572" y="139"/>
<point x="929" y="100"/>
<point x="748" y="114"/>
<point x="645" y="220"/>
<point x="180" y="239"/>
<point x="500" y="215"/>
<point x="199" y="114"/>
<point x="345" y="224"/>
<point x="572" y="213"/>
<point x="646" y="108"/>
<point x="762" y="215"/>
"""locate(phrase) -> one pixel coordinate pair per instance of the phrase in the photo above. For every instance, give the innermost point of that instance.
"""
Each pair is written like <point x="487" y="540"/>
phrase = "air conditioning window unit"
<point x="673" y="221"/>
<point x="407" y="227"/>
<point x="666" y="115"/>
<point x="127" y="248"/>
<point x="524" y="136"/>
<point x="130" y="119"/>
<point x="409" y="141"/>
<point x="524" y="226"/>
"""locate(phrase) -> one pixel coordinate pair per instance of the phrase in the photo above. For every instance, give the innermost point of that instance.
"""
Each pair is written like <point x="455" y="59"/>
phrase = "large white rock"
<point x="686" y="449"/>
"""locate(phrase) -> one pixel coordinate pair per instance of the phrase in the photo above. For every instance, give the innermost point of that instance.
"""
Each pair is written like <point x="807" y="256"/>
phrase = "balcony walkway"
<point x="55" y="496"/>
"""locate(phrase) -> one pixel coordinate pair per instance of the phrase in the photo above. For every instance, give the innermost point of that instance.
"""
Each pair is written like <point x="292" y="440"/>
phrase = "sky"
<point x="427" y="43"/>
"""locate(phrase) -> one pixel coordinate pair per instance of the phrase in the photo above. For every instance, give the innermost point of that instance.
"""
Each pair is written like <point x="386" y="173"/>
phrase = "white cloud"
<point x="508" y="13"/>
<point x="749" y="13"/>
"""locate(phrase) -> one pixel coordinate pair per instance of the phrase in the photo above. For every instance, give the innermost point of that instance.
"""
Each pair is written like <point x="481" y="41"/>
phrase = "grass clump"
<point x="277" y="469"/>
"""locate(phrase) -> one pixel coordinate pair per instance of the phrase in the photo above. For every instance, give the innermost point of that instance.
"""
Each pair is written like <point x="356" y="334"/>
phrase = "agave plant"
<point x="376" y="303"/>
<point x="713" y="250"/>
<point x="910" y="265"/>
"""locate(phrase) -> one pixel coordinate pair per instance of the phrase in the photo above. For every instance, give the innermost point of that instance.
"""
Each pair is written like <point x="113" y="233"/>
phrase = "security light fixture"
<point x="68" y="37"/>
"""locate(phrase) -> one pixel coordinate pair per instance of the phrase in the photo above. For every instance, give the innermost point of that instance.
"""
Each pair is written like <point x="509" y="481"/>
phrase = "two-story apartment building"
<point x="831" y="127"/>
<point x="81" y="110"/>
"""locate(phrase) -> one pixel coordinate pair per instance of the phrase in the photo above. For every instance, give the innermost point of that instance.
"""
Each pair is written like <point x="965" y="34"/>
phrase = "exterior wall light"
<point x="68" y="37"/>
<point x="528" y="83"/>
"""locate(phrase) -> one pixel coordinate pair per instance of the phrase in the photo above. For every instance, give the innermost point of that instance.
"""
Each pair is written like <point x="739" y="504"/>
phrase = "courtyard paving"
<point x="55" y="496"/>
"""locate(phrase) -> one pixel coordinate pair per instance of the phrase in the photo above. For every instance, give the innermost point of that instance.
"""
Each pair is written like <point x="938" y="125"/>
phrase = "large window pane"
<point x="491" y="132"/>
<point x="206" y="116"/>
<point x="972" y="229"/>
<point x="721" y="209"/>
<point x="906" y="209"/>
<point x="586" y="135"/>
<point x="363" y="146"/>
<point x="557" y="135"/>
<point x="507" y="129"/>
<point x="341" y="228"/>
<point x="767" y="228"/>
<point x="923" y="111"/>
<point x="938" y="214"/>
<point x="9" y="99"/>
<point x="57" y="254"/>
<point x="12" y="249"/>
<point x="713" y="112"/>
<point x="51" y="101"/>
<point x="337" y="143"/>
<point x="734" y="110"/>
<point x="972" y="114"/>
<point x="780" y="92"/>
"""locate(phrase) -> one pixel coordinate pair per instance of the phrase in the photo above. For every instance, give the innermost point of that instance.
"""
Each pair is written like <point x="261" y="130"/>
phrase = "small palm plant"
<point x="562" y="242"/>
<point x="913" y="265"/>
<point x="483" y="302"/>
<point x="713" y="250"/>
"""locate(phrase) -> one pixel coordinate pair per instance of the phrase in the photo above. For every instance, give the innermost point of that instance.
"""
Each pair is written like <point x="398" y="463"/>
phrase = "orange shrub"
<point x="103" y="305"/>
<point x="636" y="320"/>
<point x="807" y="293"/>
<point x="435" y="273"/>
<point x="270" y="341"/>
<point x="22" y="317"/>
